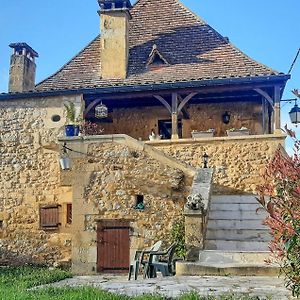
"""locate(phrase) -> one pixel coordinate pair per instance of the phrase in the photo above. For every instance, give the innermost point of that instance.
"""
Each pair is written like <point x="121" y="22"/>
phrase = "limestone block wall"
<point x="209" y="115"/>
<point x="138" y="122"/>
<point x="106" y="183"/>
<point x="29" y="178"/>
<point x="238" y="162"/>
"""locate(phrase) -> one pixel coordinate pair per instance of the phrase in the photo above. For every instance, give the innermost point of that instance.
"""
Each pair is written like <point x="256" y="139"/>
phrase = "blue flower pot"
<point x="71" y="130"/>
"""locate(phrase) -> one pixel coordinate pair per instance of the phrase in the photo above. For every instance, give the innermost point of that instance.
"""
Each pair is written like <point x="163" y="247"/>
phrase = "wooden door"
<point x="113" y="246"/>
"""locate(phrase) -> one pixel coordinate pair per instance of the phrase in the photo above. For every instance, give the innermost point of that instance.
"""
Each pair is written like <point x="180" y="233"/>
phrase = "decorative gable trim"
<point x="155" y="56"/>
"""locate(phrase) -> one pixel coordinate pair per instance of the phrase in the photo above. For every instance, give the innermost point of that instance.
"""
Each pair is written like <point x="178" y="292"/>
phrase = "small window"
<point x="55" y="118"/>
<point x="49" y="217"/>
<point x="1" y="224"/>
<point x="69" y="213"/>
<point x="139" y="202"/>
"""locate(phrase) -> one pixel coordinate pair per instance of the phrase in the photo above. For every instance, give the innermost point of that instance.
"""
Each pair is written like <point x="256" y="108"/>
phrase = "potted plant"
<point x="238" y="132"/>
<point x="89" y="128"/>
<point x="153" y="136"/>
<point x="72" y="128"/>
<point x="203" y="134"/>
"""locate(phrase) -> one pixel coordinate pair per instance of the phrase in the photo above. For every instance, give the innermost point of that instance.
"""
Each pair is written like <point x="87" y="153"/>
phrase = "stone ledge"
<point x="198" y="269"/>
<point x="248" y="138"/>
<point x="80" y="146"/>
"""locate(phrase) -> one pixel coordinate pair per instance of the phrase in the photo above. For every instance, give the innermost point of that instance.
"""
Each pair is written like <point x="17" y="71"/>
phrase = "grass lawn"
<point x="15" y="282"/>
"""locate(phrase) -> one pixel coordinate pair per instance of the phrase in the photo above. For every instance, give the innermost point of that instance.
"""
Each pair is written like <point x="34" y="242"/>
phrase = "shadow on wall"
<point x="225" y="190"/>
<point x="171" y="45"/>
<point x="13" y="259"/>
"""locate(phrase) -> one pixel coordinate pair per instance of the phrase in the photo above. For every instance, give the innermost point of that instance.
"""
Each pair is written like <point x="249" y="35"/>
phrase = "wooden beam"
<point x="270" y="119"/>
<point x="264" y="110"/>
<point x="205" y="90"/>
<point x="164" y="102"/>
<point x="90" y="106"/>
<point x="184" y="111"/>
<point x="185" y="101"/>
<point x="266" y="96"/>
<point x="277" y="97"/>
<point x="174" y="117"/>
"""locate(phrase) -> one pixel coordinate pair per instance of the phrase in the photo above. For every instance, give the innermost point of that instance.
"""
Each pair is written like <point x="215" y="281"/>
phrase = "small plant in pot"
<point x="72" y="128"/>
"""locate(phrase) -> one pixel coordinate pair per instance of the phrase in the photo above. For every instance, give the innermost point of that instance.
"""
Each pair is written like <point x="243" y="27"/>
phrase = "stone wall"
<point x="106" y="183"/>
<point x="238" y="162"/>
<point x="29" y="178"/>
<point x="138" y="122"/>
<point x="195" y="212"/>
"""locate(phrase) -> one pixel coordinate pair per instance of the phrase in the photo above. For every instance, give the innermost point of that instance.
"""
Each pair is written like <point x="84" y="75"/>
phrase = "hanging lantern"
<point x="64" y="160"/>
<point x="295" y="114"/>
<point x="101" y="111"/>
<point x="65" y="163"/>
<point x="226" y="117"/>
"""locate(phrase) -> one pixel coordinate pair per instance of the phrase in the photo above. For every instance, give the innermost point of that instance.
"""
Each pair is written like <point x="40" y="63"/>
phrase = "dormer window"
<point x="156" y="59"/>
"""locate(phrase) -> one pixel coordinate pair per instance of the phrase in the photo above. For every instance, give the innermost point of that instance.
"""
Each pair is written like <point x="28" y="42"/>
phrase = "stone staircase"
<point x="234" y="224"/>
<point x="236" y="241"/>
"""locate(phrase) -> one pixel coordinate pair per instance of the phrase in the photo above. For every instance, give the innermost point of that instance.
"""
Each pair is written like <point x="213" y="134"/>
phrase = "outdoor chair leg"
<point x="150" y="271"/>
<point x="130" y="272"/>
<point x="134" y="269"/>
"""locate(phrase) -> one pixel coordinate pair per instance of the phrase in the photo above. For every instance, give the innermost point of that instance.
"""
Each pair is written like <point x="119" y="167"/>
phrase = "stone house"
<point x="155" y="67"/>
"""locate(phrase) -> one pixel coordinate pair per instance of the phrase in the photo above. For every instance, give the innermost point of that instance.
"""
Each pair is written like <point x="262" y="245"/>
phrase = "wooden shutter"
<point x="69" y="213"/>
<point x="49" y="217"/>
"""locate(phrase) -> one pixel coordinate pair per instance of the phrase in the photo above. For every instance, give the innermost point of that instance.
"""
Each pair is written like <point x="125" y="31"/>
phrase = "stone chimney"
<point x="114" y="20"/>
<point x="22" y="68"/>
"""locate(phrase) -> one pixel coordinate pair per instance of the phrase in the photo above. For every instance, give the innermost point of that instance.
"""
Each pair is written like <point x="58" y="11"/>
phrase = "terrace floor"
<point x="263" y="287"/>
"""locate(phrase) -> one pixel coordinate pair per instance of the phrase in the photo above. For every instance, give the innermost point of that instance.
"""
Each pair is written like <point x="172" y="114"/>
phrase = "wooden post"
<point x="277" y="125"/>
<point x="270" y="108"/>
<point x="263" y="104"/>
<point x="175" y="110"/>
<point x="270" y="119"/>
<point x="174" y="117"/>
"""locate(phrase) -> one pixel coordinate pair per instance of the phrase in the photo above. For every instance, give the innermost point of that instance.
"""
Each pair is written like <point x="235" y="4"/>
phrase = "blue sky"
<point x="266" y="30"/>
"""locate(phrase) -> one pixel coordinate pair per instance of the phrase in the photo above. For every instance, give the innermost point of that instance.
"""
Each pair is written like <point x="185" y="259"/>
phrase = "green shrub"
<point x="177" y="235"/>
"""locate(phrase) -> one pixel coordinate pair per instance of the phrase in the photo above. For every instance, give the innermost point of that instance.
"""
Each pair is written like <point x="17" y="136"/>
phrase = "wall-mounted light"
<point x="295" y="111"/>
<point x="226" y="117"/>
<point x="205" y="158"/>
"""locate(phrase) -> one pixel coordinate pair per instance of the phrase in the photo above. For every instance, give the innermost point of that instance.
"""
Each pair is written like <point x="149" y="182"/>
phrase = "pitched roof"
<point x="194" y="50"/>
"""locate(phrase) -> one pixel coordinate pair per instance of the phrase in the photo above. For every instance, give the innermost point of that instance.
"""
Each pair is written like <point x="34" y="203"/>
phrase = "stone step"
<point x="236" y="224"/>
<point x="237" y="215"/>
<point x="184" y="268"/>
<point x="233" y="206"/>
<point x="226" y="199"/>
<point x="225" y="257"/>
<point x="236" y="245"/>
<point x="239" y="234"/>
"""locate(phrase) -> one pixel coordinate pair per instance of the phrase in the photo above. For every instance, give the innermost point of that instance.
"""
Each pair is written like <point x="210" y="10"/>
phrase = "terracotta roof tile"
<point x="194" y="50"/>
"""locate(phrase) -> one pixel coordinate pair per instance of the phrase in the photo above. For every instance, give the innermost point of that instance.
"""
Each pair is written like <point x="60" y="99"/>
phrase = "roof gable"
<point x="197" y="52"/>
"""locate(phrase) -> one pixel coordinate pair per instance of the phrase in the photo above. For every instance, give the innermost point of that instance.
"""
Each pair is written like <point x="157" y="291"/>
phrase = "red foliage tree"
<point x="280" y="196"/>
